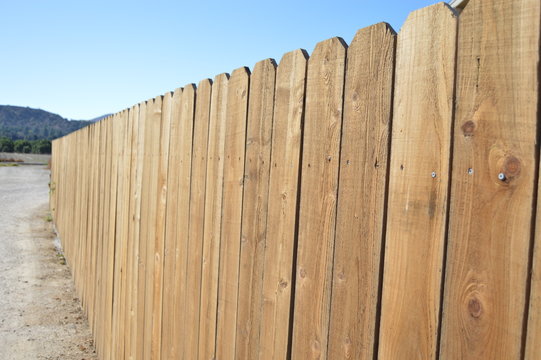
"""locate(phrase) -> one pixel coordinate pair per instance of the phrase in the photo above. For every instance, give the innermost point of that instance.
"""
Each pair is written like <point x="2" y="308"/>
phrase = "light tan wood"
<point x="213" y="218"/>
<point x="169" y="344"/>
<point x="140" y="231"/>
<point x="196" y="221"/>
<point x="418" y="184"/>
<point x="362" y="189"/>
<point x="110" y="237"/>
<point x="233" y="185"/>
<point x="150" y="196"/>
<point x="254" y="212"/>
<point x="318" y="193"/>
<point x="490" y="220"/>
<point x="118" y="337"/>
<point x="162" y="160"/>
<point x="282" y="205"/>
<point x="134" y="229"/>
<point x="185" y="158"/>
<point x="99" y="298"/>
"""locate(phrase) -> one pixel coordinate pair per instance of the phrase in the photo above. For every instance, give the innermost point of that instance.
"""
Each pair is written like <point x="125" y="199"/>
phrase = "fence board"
<point x="111" y="238"/>
<point x="363" y="173"/>
<point x="197" y="217"/>
<point x="172" y="106"/>
<point x="233" y="185"/>
<point x="140" y="233"/>
<point x="181" y="238"/>
<point x="213" y="218"/>
<point x="254" y="212"/>
<point x="418" y="184"/>
<point x="157" y="238"/>
<point x="282" y="205"/>
<point x="491" y="219"/>
<point x="119" y="300"/>
<point x="319" y="186"/>
<point x="135" y="220"/>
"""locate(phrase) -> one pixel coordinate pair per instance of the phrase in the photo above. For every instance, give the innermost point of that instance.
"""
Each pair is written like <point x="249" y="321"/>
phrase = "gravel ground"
<point x="40" y="314"/>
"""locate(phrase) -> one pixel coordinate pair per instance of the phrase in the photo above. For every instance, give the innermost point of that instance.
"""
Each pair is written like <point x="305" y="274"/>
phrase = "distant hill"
<point x="26" y="123"/>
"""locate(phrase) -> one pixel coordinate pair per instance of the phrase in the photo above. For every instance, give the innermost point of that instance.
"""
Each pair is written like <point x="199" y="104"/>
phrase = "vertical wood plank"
<point x="213" y="218"/>
<point x="153" y="127"/>
<point x="162" y="160"/>
<point x="254" y="213"/>
<point x="123" y="148"/>
<point x="418" y="184"/>
<point x="233" y="185"/>
<point x="137" y="116"/>
<point x="496" y="132"/>
<point x="172" y="106"/>
<point x="319" y="186"/>
<point x="181" y="245"/>
<point x="363" y="171"/>
<point x="140" y="230"/>
<point x="197" y="217"/>
<point x="282" y="205"/>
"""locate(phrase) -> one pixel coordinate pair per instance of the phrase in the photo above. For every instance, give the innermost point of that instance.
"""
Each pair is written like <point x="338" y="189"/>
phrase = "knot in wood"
<point x="511" y="167"/>
<point x="468" y="128"/>
<point x="475" y="308"/>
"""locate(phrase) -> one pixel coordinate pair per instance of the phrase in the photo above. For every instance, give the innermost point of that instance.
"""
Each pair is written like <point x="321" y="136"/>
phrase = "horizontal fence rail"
<point x="371" y="201"/>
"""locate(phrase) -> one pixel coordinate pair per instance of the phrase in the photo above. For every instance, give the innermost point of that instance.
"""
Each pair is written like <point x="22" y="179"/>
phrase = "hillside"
<point x="26" y="123"/>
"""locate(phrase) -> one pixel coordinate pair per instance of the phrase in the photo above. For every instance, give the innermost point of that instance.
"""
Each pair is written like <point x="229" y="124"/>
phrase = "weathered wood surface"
<point x="233" y="186"/>
<point x="282" y="206"/>
<point x="361" y="197"/>
<point x="318" y="193"/>
<point x="254" y="208"/>
<point x="496" y="126"/>
<point x="418" y="184"/>
<point x="213" y="218"/>
<point x="196" y="221"/>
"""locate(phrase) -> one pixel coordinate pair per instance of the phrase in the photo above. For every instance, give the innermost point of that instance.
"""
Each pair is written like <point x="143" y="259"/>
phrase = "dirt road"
<point x="40" y="316"/>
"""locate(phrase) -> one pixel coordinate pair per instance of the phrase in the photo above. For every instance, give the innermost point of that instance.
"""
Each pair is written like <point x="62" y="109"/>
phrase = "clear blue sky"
<point x="82" y="59"/>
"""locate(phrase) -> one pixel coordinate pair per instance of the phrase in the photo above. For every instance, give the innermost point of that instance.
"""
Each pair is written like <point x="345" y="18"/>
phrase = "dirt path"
<point x="40" y="316"/>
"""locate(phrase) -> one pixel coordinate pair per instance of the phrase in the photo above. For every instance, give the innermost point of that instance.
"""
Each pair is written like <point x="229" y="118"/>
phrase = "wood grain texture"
<point x="318" y="193"/>
<point x="110" y="237"/>
<point x="361" y="197"/>
<point x="186" y="109"/>
<point x="158" y="238"/>
<point x="179" y="184"/>
<point x="418" y="184"/>
<point x="148" y="216"/>
<point x="282" y="205"/>
<point x="197" y="218"/>
<point x="233" y="185"/>
<point x="170" y="344"/>
<point x="490" y="225"/>
<point x="139" y="233"/>
<point x="133" y="234"/>
<point x="213" y="218"/>
<point x="254" y="213"/>
<point x="119" y="302"/>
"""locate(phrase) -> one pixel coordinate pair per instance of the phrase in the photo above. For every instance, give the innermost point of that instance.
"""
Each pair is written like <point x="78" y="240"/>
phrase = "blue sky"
<point x="82" y="59"/>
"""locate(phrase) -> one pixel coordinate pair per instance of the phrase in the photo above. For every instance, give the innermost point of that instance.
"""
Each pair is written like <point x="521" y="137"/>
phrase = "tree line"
<point x="25" y="146"/>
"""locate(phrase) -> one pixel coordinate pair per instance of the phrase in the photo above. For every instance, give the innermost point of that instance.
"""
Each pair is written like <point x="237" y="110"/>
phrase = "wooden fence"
<point x="371" y="201"/>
